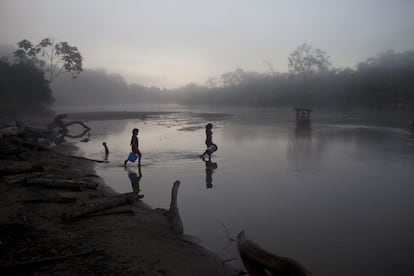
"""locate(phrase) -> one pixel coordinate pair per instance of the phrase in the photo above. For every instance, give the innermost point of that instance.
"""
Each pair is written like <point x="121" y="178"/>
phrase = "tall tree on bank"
<point x="306" y="59"/>
<point x="23" y="90"/>
<point x="53" y="58"/>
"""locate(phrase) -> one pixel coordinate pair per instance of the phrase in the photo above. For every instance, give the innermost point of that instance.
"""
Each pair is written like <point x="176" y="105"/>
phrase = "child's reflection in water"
<point x="210" y="168"/>
<point x="135" y="179"/>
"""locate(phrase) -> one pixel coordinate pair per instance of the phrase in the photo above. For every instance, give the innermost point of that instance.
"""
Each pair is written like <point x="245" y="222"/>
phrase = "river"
<point x="337" y="196"/>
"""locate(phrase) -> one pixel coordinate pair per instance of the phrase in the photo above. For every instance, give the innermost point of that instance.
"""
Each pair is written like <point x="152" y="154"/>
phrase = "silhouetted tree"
<point x="23" y="89"/>
<point x="232" y="78"/>
<point x="53" y="58"/>
<point x="306" y="59"/>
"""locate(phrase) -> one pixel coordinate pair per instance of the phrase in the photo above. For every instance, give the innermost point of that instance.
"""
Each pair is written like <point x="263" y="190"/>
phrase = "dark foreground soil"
<point x="45" y="230"/>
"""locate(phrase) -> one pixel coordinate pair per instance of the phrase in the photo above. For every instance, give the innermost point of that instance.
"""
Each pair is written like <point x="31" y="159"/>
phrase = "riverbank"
<point x="47" y="228"/>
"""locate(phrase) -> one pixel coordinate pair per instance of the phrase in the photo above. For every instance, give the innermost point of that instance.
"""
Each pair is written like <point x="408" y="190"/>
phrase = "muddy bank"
<point x="57" y="217"/>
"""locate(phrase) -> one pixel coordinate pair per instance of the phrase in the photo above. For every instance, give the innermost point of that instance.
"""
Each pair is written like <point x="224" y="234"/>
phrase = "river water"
<point x="337" y="196"/>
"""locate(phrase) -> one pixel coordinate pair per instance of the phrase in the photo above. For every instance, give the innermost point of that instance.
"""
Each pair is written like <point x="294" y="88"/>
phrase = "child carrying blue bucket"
<point x="135" y="152"/>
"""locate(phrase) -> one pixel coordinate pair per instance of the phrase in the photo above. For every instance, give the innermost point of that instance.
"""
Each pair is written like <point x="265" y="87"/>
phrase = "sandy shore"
<point x="46" y="230"/>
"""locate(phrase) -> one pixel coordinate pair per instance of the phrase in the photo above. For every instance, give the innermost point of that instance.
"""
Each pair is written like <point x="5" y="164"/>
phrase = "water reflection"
<point x="303" y="129"/>
<point x="210" y="168"/>
<point x="332" y="177"/>
<point x="302" y="149"/>
<point x="135" y="179"/>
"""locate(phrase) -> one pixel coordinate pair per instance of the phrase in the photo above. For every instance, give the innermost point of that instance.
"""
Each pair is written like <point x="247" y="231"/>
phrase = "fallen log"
<point x="66" y="125"/>
<point x="10" y="131"/>
<point x="68" y="195"/>
<point x="93" y="207"/>
<point x="83" y="133"/>
<point x="58" y="123"/>
<point x="76" y="185"/>
<point x="173" y="213"/>
<point x="7" y="151"/>
<point x="44" y="261"/>
<point x="18" y="178"/>
<point x="17" y="167"/>
<point x="34" y="146"/>
<point x="98" y="214"/>
<point x="49" y="200"/>
<point x="257" y="261"/>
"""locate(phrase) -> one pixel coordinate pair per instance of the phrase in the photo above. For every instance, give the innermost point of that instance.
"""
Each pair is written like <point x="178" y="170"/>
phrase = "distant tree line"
<point x="383" y="81"/>
<point x="98" y="87"/>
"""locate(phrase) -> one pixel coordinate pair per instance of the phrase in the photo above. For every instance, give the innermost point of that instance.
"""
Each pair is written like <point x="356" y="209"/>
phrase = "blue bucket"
<point x="132" y="157"/>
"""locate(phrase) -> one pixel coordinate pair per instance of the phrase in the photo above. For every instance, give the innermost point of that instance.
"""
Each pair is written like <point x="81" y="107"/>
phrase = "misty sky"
<point x="171" y="43"/>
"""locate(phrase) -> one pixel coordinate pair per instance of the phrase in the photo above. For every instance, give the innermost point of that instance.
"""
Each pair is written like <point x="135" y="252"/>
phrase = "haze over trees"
<point x="52" y="57"/>
<point x="23" y="89"/>
<point x="383" y="81"/>
<point x="25" y="81"/>
<point x="306" y="59"/>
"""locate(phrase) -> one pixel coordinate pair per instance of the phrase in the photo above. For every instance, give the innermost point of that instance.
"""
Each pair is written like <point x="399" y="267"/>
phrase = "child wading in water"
<point x="211" y="147"/>
<point x="135" y="154"/>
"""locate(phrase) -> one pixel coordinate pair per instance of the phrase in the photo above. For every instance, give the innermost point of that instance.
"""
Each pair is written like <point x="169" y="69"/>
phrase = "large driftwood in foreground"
<point x="44" y="261"/>
<point x="21" y="177"/>
<point x="257" y="260"/>
<point x="63" y="197"/>
<point x="173" y="214"/>
<point x="103" y="204"/>
<point x="76" y="185"/>
<point x="17" y="167"/>
<point x="49" y="200"/>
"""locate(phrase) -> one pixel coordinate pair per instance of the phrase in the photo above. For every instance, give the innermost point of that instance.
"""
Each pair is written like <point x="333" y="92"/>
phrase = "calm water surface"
<point x="337" y="197"/>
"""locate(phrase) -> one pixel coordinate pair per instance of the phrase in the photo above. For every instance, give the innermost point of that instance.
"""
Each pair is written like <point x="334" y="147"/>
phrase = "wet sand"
<point x="41" y="232"/>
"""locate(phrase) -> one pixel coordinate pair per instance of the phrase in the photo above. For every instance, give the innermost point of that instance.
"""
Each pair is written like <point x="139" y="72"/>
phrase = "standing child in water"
<point x="106" y="150"/>
<point x="134" y="148"/>
<point x="211" y="147"/>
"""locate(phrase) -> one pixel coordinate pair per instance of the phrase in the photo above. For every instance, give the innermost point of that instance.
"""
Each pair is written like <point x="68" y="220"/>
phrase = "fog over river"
<point x="336" y="195"/>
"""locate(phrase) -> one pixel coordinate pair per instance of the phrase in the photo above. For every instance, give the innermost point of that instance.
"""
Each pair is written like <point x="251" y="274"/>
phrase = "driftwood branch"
<point x="76" y="185"/>
<point x="257" y="260"/>
<point x="62" y="127"/>
<point x="173" y="213"/>
<point x="63" y="197"/>
<point x="76" y="123"/>
<point x="49" y="200"/>
<point x="78" y="135"/>
<point x="34" y="146"/>
<point x="229" y="260"/>
<point x="10" y="151"/>
<point x="108" y="213"/>
<point x="18" y="167"/>
<point x="22" y="177"/>
<point x="43" y="261"/>
<point x="100" y="205"/>
<point x="231" y="240"/>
